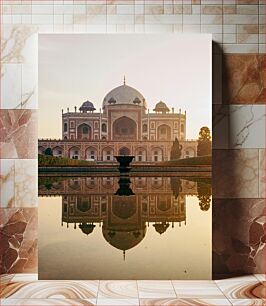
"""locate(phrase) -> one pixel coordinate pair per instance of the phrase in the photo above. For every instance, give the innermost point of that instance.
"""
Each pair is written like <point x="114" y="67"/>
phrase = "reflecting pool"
<point x="124" y="228"/>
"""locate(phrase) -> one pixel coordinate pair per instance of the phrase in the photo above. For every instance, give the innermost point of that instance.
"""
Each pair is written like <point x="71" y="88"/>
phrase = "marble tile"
<point x="248" y="28"/>
<point x="260" y="277"/>
<point x="238" y="280"/>
<point x="118" y="289"/>
<point x="242" y="290"/>
<point x="117" y="302"/>
<point x="197" y="289"/>
<point x="4" y="280"/>
<point x="262" y="170"/>
<point x="248" y="302"/>
<point x="243" y="78"/>
<point x="11" y="86"/>
<point x="44" y="302"/>
<point x="155" y="289"/>
<point x="216" y="78"/>
<point x="235" y="173"/>
<point x="18" y="232"/>
<point x="238" y="245"/>
<point x="245" y="121"/>
<point x="51" y="290"/>
<point x="240" y="49"/>
<point x="220" y="126"/>
<point x="26" y="182"/>
<point x="19" y="44"/>
<point x="182" y="302"/>
<point x="29" y="90"/>
<point x="212" y="9"/>
<point x="18" y="130"/>
<point x="7" y="178"/>
<point x="25" y="277"/>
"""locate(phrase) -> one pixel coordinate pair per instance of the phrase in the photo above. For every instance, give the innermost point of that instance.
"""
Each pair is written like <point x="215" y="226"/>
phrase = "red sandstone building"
<point x="124" y="126"/>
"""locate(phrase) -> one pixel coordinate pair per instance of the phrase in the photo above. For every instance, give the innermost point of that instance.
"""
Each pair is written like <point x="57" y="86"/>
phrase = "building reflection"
<point x="124" y="207"/>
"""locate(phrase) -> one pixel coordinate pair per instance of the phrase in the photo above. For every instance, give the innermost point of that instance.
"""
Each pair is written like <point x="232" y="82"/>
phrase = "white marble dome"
<point x="124" y="94"/>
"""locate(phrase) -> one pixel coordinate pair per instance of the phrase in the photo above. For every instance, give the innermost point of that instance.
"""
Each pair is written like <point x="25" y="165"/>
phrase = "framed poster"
<point x="124" y="156"/>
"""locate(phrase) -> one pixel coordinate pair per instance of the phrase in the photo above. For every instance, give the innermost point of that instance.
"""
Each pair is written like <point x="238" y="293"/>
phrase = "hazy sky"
<point x="173" y="68"/>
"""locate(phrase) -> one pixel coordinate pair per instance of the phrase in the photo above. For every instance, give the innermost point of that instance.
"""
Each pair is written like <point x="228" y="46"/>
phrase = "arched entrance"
<point x="107" y="154"/>
<point x="140" y="154"/>
<point x="124" y="128"/>
<point x="164" y="132"/>
<point x="157" y="154"/>
<point x="84" y="131"/>
<point x="58" y="151"/>
<point x="74" y="153"/>
<point x="91" y="153"/>
<point x="124" y="151"/>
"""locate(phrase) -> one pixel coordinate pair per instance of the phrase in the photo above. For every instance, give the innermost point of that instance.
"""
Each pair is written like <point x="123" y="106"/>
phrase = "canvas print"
<point x="124" y="156"/>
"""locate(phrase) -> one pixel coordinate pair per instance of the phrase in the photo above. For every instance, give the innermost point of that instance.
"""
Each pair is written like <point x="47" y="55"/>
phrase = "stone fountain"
<point x="124" y="162"/>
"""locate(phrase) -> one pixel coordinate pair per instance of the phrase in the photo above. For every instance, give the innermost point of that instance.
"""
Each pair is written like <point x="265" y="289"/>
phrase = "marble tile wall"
<point x="238" y="28"/>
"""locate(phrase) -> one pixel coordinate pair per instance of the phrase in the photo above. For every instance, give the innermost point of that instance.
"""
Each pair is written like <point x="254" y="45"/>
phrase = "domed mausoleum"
<point x="124" y="123"/>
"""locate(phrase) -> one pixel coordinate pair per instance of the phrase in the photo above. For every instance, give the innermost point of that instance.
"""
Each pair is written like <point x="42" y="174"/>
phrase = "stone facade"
<point x="123" y="126"/>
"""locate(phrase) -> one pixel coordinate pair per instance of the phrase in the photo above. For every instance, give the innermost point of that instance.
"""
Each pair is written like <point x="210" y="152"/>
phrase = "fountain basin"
<point x="124" y="162"/>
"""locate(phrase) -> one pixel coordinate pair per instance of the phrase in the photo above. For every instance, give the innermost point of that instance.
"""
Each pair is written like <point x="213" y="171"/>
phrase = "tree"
<point x="204" y="142"/>
<point x="176" y="150"/>
<point x="176" y="186"/>
<point x="48" y="151"/>
<point x="204" y="195"/>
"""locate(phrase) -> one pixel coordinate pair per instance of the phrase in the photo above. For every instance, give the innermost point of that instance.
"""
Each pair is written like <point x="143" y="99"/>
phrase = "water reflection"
<point x="124" y="207"/>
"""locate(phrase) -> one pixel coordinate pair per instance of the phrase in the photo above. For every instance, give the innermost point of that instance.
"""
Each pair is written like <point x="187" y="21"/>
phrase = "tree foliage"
<point x="204" y="142"/>
<point x="204" y="195"/>
<point x="176" y="150"/>
<point x="48" y="151"/>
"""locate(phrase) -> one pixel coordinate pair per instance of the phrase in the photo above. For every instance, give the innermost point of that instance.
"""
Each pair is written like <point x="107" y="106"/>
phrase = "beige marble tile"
<point x="245" y="121"/>
<point x="118" y="289"/>
<point x="153" y="9"/>
<point x="240" y="48"/>
<point x="44" y="302"/>
<point x="248" y="302"/>
<point x="7" y="179"/>
<point x="11" y="85"/>
<point x="117" y="302"/>
<point x="183" y="302"/>
<point x="260" y="277"/>
<point x="212" y="9"/>
<point x="51" y="289"/>
<point x="247" y="28"/>
<point x="19" y="44"/>
<point x="240" y="19"/>
<point x="211" y="19"/>
<point x="29" y="86"/>
<point x="26" y="182"/>
<point x="197" y="289"/>
<point x="229" y="9"/>
<point x="155" y="289"/>
<point x="4" y="280"/>
<point x="25" y="277"/>
<point x="248" y="9"/>
<point x="247" y="38"/>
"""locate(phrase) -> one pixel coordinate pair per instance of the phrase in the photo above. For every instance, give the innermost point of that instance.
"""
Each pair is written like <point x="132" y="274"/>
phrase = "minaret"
<point x="124" y="80"/>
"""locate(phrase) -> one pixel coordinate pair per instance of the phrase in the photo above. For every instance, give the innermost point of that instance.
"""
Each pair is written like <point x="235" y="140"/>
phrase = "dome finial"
<point x="124" y="255"/>
<point x="124" y="80"/>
